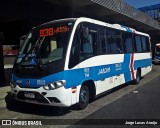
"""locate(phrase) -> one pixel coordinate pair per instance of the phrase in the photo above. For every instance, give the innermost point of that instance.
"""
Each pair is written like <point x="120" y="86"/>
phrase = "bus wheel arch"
<point x="87" y="92"/>
<point x="92" y="88"/>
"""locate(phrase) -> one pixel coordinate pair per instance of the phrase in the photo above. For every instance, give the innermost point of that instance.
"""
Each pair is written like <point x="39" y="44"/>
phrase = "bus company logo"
<point x="86" y="72"/>
<point x="118" y="66"/>
<point x="19" y="81"/>
<point x="41" y="82"/>
<point x="27" y="83"/>
<point x="6" y="122"/>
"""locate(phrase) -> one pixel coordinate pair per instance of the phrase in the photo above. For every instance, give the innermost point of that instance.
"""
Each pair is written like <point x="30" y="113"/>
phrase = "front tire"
<point x="83" y="98"/>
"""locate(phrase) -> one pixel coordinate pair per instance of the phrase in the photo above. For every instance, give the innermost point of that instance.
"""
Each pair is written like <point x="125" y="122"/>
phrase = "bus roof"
<point x="57" y="21"/>
<point x="84" y="19"/>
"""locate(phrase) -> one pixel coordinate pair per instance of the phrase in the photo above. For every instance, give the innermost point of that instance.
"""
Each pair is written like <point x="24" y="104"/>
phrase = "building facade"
<point x="153" y="11"/>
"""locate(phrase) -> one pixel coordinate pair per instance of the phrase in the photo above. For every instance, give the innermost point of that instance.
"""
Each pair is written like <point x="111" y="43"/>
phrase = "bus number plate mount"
<point x="29" y="95"/>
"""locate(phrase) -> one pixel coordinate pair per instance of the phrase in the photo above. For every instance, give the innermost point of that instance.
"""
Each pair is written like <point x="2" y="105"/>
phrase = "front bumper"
<point x="57" y="97"/>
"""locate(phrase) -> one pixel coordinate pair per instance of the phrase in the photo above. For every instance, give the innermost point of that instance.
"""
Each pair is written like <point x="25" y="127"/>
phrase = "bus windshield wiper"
<point x="39" y="56"/>
<point x="34" y="48"/>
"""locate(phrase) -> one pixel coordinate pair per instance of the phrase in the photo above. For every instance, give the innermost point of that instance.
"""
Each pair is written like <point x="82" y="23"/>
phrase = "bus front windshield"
<point x="45" y="44"/>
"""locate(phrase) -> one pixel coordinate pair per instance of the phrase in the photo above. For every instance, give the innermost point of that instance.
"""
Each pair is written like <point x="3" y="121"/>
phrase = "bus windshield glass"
<point x="45" y="44"/>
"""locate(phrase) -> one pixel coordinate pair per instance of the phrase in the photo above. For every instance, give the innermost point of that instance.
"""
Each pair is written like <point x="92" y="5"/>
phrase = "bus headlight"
<point x="12" y="84"/>
<point x="54" y="85"/>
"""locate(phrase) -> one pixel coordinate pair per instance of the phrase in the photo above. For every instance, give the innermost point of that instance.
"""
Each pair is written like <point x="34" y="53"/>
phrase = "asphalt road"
<point x="125" y="102"/>
<point x="141" y="105"/>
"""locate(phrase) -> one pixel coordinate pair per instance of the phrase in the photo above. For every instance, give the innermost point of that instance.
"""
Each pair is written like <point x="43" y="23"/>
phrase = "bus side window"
<point x="113" y="42"/>
<point x="103" y="40"/>
<point x="148" y="44"/>
<point x="82" y="47"/>
<point x="144" y="43"/>
<point x="87" y="48"/>
<point x="127" y="42"/>
<point x="138" y="43"/>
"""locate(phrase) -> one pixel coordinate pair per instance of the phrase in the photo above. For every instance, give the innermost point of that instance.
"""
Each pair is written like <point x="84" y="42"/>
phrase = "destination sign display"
<point x="52" y="31"/>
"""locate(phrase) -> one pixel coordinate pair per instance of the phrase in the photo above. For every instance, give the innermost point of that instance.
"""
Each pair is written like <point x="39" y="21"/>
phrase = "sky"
<point x="142" y="3"/>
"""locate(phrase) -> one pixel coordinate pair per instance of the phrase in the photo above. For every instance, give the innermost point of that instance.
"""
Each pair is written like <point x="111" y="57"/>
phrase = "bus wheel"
<point x="138" y="77"/>
<point x="83" y="98"/>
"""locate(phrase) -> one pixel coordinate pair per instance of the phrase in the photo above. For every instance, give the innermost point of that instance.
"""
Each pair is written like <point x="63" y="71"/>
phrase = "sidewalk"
<point x="5" y="88"/>
<point x="144" y="104"/>
<point x="3" y="93"/>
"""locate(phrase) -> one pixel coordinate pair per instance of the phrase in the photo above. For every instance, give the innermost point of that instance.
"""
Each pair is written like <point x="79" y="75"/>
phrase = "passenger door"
<point x="88" y="51"/>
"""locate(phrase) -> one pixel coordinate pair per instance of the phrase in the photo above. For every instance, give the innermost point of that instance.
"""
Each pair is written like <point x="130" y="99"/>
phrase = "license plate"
<point x="29" y="95"/>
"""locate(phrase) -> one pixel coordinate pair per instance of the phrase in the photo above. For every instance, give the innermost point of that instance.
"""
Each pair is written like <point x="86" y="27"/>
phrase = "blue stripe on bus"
<point x="127" y="28"/>
<point x="142" y="63"/>
<point x="78" y="76"/>
<point x="126" y="68"/>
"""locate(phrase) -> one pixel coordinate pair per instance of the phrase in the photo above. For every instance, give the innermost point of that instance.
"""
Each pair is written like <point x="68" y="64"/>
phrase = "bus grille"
<point x="38" y="97"/>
